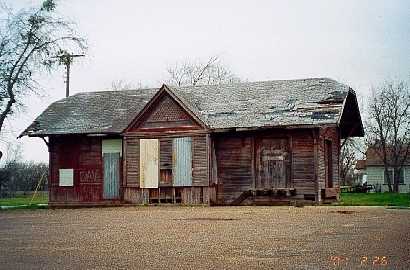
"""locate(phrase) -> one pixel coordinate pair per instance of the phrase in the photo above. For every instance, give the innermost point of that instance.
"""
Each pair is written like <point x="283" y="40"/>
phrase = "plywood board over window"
<point x="182" y="161"/>
<point x="149" y="163"/>
<point x="111" y="146"/>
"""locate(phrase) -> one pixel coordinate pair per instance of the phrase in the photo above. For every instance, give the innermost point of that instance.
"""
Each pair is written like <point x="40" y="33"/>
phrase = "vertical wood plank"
<point x="111" y="175"/>
<point x="149" y="163"/>
<point x="182" y="161"/>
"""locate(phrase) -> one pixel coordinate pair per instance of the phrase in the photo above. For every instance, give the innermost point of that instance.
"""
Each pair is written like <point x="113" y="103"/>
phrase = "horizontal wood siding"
<point x="200" y="174"/>
<point x="234" y="161"/>
<point x="303" y="168"/>
<point x="165" y="149"/>
<point x="236" y="166"/>
<point x="132" y="161"/>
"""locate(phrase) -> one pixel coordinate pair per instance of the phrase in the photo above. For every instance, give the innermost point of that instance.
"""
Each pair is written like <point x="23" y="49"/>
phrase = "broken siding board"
<point x="182" y="161"/>
<point x="149" y="163"/>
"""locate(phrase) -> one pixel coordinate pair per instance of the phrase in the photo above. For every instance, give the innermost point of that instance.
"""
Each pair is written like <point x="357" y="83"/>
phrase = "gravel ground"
<point x="206" y="238"/>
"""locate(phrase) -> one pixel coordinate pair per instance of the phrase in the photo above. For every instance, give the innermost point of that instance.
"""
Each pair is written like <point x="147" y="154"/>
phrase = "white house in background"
<point x="360" y="176"/>
<point x="375" y="173"/>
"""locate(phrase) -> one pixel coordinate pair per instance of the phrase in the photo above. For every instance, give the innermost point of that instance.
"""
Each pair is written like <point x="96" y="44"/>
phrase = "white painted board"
<point x="149" y="163"/>
<point x="66" y="177"/>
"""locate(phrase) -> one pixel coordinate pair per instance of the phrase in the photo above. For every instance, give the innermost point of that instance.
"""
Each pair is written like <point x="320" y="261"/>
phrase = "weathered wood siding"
<point x="83" y="155"/>
<point x="183" y="155"/>
<point x="200" y="160"/>
<point x="271" y="159"/>
<point x="165" y="159"/>
<point x="181" y="195"/>
<point x="131" y="161"/>
<point x="234" y="166"/>
<point x="303" y="162"/>
<point x="198" y="166"/>
<point x="272" y="163"/>
<point x="331" y="134"/>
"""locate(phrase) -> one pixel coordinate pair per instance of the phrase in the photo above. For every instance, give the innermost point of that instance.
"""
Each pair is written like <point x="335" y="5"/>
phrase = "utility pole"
<point x="66" y="59"/>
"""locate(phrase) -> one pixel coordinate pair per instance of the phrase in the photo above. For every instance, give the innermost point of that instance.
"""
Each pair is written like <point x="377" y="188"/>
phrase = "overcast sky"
<point x="360" y="43"/>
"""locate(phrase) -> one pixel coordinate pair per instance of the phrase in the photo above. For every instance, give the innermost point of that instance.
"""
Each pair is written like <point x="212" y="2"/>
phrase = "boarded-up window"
<point x="149" y="163"/>
<point x="112" y="146"/>
<point x="66" y="177"/>
<point x="182" y="161"/>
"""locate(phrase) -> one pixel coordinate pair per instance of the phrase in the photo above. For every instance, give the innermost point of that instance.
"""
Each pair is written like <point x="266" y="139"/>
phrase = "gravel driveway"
<point x="206" y="238"/>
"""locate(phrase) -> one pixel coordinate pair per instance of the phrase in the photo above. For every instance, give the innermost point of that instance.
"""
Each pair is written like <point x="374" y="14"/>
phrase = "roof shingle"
<point x="242" y="105"/>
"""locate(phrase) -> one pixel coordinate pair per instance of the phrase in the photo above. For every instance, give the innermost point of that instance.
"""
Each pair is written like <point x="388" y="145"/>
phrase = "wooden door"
<point x="272" y="161"/>
<point x="111" y="176"/>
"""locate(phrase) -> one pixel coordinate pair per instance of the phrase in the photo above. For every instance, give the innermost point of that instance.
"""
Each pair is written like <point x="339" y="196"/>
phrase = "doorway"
<point x="111" y="188"/>
<point x="272" y="158"/>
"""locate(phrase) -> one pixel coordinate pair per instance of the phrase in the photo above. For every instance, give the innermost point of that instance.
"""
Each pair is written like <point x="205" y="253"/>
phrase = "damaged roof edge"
<point x="98" y="112"/>
<point x="357" y="129"/>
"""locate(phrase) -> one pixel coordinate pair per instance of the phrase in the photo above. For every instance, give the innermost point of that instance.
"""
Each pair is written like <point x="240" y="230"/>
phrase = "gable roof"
<point x="91" y="112"/>
<point x="302" y="102"/>
<point x="266" y="104"/>
<point x="374" y="156"/>
<point x="360" y="164"/>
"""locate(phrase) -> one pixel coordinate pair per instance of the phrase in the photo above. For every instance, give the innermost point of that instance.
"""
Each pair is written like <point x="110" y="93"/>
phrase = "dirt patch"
<point x="205" y="238"/>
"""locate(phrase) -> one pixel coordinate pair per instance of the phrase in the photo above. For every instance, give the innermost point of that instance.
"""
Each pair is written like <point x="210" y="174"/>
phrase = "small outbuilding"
<point x="246" y="143"/>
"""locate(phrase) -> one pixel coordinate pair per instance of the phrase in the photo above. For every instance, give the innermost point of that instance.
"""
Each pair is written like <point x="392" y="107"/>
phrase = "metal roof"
<point x="316" y="101"/>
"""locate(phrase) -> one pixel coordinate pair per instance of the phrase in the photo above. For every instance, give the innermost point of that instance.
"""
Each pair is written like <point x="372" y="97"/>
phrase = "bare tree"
<point x="200" y="73"/>
<point x="28" y="41"/>
<point x="118" y="85"/>
<point x="388" y="128"/>
<point x="348" y="157"/>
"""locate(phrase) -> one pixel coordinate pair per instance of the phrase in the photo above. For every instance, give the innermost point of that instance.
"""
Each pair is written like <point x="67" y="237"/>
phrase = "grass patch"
<point x="375" y="199"/>
<point x="24" y="200"/>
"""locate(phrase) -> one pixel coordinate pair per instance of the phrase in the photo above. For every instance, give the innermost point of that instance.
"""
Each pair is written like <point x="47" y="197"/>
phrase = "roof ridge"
<point x="253" y="82"/>
<point x="112" y="91"/>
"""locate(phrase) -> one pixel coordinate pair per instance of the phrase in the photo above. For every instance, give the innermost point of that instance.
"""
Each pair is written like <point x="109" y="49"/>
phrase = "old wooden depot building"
<point x="246" y="143"/>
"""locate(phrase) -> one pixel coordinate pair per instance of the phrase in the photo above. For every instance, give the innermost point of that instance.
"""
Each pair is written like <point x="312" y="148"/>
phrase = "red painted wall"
<point x="83" y="154"/>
